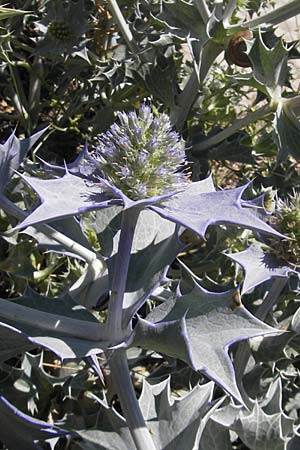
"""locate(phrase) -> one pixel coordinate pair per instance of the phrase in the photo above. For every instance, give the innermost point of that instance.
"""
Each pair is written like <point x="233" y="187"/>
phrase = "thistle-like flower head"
<point x="141" y="154"/>
<point x="286" y="220"/>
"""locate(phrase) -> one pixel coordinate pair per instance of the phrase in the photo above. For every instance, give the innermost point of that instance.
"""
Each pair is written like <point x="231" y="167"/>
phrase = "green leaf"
<point x="161" y="81"/>
<point x="5" y="13"/>
<point x="198" y="328"/>
<point x="232" y="149"/>
<point x="269" y="64"/>
<point x="182" y="18"/>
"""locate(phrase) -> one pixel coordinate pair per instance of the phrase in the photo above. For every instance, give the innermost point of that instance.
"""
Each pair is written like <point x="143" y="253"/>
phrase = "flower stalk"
<point x="120" y="271"/>
<point x="122" y="384"/>
<point x="123" y="26"/>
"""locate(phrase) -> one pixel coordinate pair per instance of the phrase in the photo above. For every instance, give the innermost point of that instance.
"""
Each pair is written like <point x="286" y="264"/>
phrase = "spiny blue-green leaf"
<point x="216" y="434"/>
<point x="182" y="18"/>
<point x="174" y="424"/>
<point x="110" y="432"/>
<point x="198" y="207"/>
<point x="199" y="328"/>
<point x="215" y="437"/>
<point x="269" y="64"/>
<point x="63" y="197"/>
<point x="12" y="342"/>
<point x="272" y="403"/>
<point x="261" y="431"/>
<point x="20" y="431"/>
<point x="266" y="426"/>
<point x="12" y="154"/>
<point x="259" y="266"/>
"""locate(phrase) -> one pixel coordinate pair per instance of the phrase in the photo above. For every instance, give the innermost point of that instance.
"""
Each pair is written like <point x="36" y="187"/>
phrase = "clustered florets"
<point x="286" y="220"/>
<point x="59" y="30"/>
<point x="142" y="155"/>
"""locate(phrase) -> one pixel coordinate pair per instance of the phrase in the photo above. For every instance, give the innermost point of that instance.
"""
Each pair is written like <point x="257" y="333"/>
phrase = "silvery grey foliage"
<point x="121" y="210"/>
<point x="182" y="327"/>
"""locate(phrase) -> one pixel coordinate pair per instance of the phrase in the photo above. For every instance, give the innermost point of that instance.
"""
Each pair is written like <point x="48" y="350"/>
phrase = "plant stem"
<point x="274" y="17"/>
<point x="229" y="10"/>
<point x="203" y="10"/>
<point x="88" y="255"/>
<point x="123" y="26"/>
<point x="218" y="8"/>
<point x="122" y="384"/>
<point x="188" y="96"/>
<point x="292" y="102"/>
<point x="80" y="329"/>
<point x="119" y="277"/>
<point x="243" y="352"/>
<point x="237" y="125"/>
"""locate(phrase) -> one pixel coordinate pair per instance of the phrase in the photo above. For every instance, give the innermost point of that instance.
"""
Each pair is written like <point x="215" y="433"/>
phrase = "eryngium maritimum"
<point x="141" y="154"/>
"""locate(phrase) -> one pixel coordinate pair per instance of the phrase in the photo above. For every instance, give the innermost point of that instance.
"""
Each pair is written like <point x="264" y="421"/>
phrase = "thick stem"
<point x="67" y="326"/>
<point x="274" y="17"/>
<point x="122" y="384"/>
<point x="229" y="10"/>
<point x="236" y="126"/>
<point x="123" y="26"/>
<point x="119" y="277"/>
<point x="243" y="352"/>
<point x="188" y="96"/>
<point x="292" y="102"/>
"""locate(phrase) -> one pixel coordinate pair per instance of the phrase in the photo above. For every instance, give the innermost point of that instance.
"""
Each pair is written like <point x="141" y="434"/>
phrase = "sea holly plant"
<point x="158" y="272"/>
<point x="137" y="173"/>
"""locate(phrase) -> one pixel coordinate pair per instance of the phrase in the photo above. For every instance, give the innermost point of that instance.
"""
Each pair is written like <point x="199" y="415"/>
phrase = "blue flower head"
<point x="141" y="155"/>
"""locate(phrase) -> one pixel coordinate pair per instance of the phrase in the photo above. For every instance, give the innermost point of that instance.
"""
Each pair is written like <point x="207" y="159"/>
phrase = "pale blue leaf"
<point x="69" y="226"/>
<point x="215" y="437"/>
<point x="66" y="196"/>
<point x="12" y="153"/>
<point x="286" y="132"/>
<point x="174" y="424"/>
<point x="261" y="431"/>
<point x="259" y="266"/>
<point x="198" y="207"/>
<point x="198" y="328"/>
